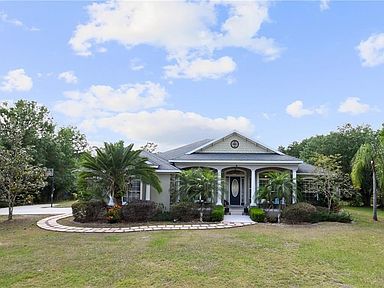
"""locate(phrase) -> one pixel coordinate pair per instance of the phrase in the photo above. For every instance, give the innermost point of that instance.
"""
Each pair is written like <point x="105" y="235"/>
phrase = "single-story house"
<point x="240" y="161"/>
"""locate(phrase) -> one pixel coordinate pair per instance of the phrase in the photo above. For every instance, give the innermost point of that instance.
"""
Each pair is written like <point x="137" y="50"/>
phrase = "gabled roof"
<point x="176" y="153"/>
<point x="214" y="142"/>
<point x="161" y="165"/>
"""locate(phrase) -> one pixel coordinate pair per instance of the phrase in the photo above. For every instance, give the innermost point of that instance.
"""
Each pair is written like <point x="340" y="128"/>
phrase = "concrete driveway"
<point x="41" y="209"/>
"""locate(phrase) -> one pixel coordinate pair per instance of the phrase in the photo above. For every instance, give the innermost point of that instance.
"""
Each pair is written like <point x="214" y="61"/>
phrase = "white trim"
<point x="148" y="192"/>
<point x="219" y="191"/>
<point x="237" y="161"/>
<point x="141" y="190"/>
<point x="294" y="192"/>
<point x="253" y="187"/>
<point x="234" y="133"/>
<point x="168" y="171"/>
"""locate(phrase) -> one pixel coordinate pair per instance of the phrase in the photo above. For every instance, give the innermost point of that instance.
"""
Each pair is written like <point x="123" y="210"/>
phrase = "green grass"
<point x="320" y="255"/>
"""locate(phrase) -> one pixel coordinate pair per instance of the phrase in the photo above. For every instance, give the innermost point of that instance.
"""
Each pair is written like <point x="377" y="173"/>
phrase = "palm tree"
<point x="198" y="182"/>
<point x="370" y="157"/>
<point x="280" y="186"/>
<point x="114" y="167"/>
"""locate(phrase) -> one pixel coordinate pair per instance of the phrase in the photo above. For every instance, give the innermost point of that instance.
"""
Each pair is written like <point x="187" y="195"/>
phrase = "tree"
<point x="59" y="149"/>
<point x="198" y="182"/>
<point x="68" y="145"/>
<point x="330" y="180"/>
<point x="370" y="157"/>
<point x="18" y="178"/>
<point x="345" y="141"/>
<point x="150" y="147"/>
<point x="279" y="186"/>
<point x="114" y="167"/>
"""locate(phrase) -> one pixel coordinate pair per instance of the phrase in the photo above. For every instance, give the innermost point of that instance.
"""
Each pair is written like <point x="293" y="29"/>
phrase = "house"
<point x="241" y="162"/>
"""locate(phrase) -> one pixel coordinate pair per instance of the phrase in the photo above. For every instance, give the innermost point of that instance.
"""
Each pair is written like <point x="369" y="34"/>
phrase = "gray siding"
<point x="224" y="146"/>
<point x="164" y="196"/>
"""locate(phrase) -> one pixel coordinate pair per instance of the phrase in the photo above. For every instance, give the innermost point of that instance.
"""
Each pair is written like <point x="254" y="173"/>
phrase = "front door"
<point x="234" y="190"/>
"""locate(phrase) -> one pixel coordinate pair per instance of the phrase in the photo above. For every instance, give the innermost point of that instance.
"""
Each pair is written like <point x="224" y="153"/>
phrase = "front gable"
<point x="234" y="143"/>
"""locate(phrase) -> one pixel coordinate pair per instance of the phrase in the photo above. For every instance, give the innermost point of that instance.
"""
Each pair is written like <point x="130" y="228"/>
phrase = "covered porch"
<point x="238" y="184"/>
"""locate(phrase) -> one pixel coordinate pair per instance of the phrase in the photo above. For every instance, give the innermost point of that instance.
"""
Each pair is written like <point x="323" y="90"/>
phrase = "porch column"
<point x="294" y="192"/>
<point x="219" y="202"/>
<point x="148" y="192"/>
<point x="253" y="186"/>
<point x="141" y="190"/>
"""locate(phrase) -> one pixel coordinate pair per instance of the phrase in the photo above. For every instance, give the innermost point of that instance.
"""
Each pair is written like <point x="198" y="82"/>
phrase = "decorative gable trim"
<point x="213" y="142"/>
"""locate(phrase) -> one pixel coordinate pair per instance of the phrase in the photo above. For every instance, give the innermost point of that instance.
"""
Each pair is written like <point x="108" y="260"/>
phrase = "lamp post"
<point x="50" y="173"/>
<point x="374" y="191"/>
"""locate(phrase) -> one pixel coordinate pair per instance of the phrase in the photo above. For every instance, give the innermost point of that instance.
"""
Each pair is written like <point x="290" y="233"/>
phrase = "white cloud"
<point x="171" y="127"/>
<point x="16" y="80"/>
<point x="195" y="30"/>
<point x="68" y="76"/>
<point x="371" y="51"/>
<point x="268" y="116"/>
<point x="353" y="106"/>
<point x="296" y="109"/>
<point x="136" y="64"/>
<point x="101" y="100"/>
<point x="15" y="22"/>
<point x="324" y="4"/>
<point x="201" y="68"/>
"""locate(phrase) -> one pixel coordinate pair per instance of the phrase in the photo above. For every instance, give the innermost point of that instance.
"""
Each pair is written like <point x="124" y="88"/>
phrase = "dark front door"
<point x="234" y="189"/>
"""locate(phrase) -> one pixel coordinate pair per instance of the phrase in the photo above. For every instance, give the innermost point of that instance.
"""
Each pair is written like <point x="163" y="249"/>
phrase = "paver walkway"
<point x="50" y="223"/>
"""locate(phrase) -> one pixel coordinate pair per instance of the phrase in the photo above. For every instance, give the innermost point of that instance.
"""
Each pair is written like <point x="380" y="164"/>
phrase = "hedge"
<point x="217" y="213"/>
<point x="325" y="216"/>
<point x="257" y="214"/>
<point x="140" y="211"/>
<point x="184" y="212"/>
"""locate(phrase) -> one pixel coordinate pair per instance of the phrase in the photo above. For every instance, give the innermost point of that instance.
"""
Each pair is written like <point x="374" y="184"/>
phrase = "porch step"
<point x="236" y="211"/>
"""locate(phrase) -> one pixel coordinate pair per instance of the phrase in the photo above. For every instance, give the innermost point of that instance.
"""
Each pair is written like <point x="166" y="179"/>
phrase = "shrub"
<point x="140" y="211"/>
<point x="114" y="214"/>
<point x="89" y="211"/>
<point x="162" y="216"/>
<point x="271" y="216"/>
<point x="257" y="214"/>
<point x="217" y="213"/>
<point x="298" y="213"/>
<point x="325" y="216"/>
<point x="185" y="211"/>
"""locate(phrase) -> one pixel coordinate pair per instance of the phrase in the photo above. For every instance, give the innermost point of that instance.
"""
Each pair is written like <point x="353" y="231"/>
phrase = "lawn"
<point x="321" y="255"/>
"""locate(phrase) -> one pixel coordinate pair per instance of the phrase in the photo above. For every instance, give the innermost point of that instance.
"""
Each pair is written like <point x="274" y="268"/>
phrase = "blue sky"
<point x="175" y="72"/>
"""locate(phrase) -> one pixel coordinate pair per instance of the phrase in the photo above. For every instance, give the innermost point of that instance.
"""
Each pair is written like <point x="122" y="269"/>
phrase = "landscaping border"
<point x="50" y="223"/>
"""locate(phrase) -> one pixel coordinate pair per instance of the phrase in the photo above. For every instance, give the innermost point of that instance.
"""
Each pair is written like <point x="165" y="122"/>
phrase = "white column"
<point x="148" y="192"/>
<point x="294" y="192"/>
<point x="141" y="190"/>
<point x="257" y="186"/>
<point x="253" y="186"/>
<point x="219" y="201"/>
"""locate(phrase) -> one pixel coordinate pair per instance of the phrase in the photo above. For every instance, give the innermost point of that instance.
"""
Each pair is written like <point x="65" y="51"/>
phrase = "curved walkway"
<point x="50" y="223"/>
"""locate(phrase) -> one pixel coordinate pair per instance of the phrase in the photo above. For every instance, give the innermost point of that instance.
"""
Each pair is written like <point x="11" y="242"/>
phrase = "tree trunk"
<point x="366" y="197"/>
<point x="374" y="193"/>
<point x="10" y="211"/>
<point x="201" y="209"/>
<point x="329" y="204"/>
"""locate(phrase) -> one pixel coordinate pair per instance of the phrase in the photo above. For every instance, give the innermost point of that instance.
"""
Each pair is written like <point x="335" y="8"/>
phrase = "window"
<point x="133" y="193"/>
<point x="309" y="191"/>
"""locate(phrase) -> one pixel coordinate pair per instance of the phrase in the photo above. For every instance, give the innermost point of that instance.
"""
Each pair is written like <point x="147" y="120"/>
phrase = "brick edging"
<point x="50" y="223"/>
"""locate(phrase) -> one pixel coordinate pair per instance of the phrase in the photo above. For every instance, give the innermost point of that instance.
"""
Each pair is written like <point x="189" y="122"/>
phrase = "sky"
<point x="177" y="72"/>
